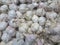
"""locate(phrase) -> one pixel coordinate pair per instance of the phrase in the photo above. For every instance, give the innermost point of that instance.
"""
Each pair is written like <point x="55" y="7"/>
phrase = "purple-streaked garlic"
<point x="42" y="20"/>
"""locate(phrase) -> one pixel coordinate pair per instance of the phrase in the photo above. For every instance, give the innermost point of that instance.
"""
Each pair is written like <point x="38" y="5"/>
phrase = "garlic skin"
<point x="3" y="17"/>
<point x="4" y="8"/>
<point x="13" y="23"/>
<point x="15" y="1"/>
<point x="40" y="29"/>
<point x="51" y="15"/>
<point x="42" y="20"/>
<point x="35" y="18"/>
<point x="10" y="31"/>
<point x="28" y="15"/>
<point x="19" y="36"/>
<point x="5" y="37"/>
<point x="19" y="14"/>
<point x="34" y="27"/>
<point x="22" y="1"/>
<point x="3" y="26"/>
<point x="23" y="8"/>
<point x="40" y="12"/>
<point x="11" y="14"/>
<point x="6" y="2"/>
<point x="23" y="27"/>
<point x="13" y="8"/>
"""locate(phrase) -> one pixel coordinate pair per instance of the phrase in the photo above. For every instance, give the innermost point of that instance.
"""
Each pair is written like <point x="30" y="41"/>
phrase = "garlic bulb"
<point x="51" y="15"/>
<point x="3" y="17"/>
<point x="23" y="27"/>
<point x="11" y="14"/>
<point x="34" y="27"/>
<point x="13" y="23"/>
<point x="42" y="20"/>
<point x="3" y="26"/>
<point x="23" y="8"/>
<point x="13" y="8"/>
<point x="35" y="18"/>
<point x="22" y="1"/>
<point x="6" y="1"/>
<point x="40" y="29"/>
<point x="19" y="36"/>
<point x="28" y="15"/>
<point x="10" y="31"/>
<point x="19" y="14"/>
<point x="5" y="37"/>
<point x="3" y="8"/>
<point x="40" y="12"/>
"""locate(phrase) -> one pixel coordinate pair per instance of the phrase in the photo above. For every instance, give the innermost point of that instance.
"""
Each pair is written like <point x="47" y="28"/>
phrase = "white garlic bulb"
<point x="40" y="29"/>
<point x="40" y="12"/>
<point x="13" y="7"/>
<point x="15" y="1"/>
<point x="19" y="35"/>
<point x="35" y="4"/>
<point x="4" y="8"/>
<point x="10" y="31"/>
<point x="13" y="23"/>
<point x="51" y="15"/>
<point x="22" y="1"/>
<point x="6" y="1"/>
<point x="42" y="20"/>
<point x="19" y="14"/>
<point x="3" y="25"/>
<point x="3" y="17"/>
<point x="35" y="18"/>
<point x="11" y="14"/>
<point x="5" y="37"/>
<point x="23" y="8"/>
<point x="28" y="15"/>
<point x="30" y="6"/>
<point x="34" y="27"/>
<point x="23" y="27"/>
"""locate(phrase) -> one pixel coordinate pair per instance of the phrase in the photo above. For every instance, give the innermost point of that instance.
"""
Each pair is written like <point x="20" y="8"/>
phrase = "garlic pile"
<point x="29" y="22"/>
